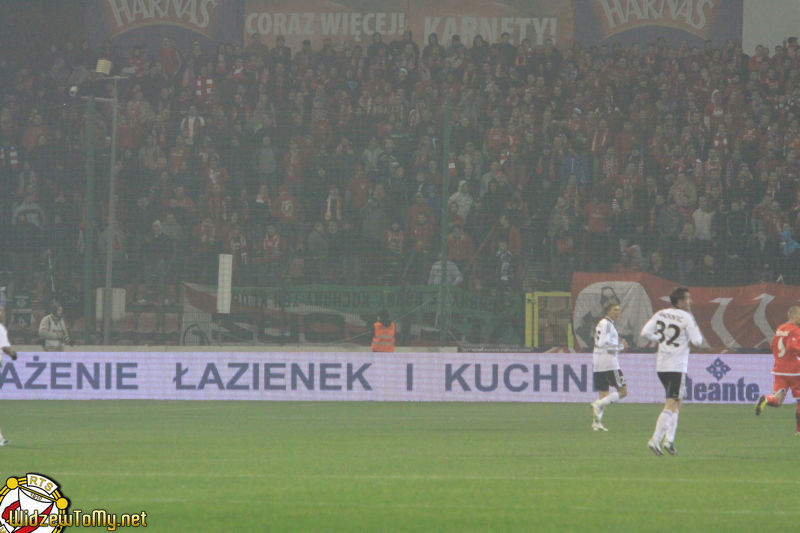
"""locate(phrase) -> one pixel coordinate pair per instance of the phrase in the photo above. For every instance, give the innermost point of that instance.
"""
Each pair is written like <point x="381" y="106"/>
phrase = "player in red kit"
<point x="786" y="350"/>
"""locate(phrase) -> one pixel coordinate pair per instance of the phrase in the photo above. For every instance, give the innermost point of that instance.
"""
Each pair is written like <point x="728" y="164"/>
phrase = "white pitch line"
<point x="115" y="412"/>
<point x="137" y="500"/>
<point x="418" y="477"/>
<point x="532" y="507"/>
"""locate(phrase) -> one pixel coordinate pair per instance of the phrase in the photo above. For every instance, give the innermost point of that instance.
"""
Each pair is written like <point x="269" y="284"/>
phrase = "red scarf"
<point x="203" y="88"/>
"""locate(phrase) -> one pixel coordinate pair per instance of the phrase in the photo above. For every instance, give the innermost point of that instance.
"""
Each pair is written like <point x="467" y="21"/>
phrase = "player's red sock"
<point x="773" y="401"/>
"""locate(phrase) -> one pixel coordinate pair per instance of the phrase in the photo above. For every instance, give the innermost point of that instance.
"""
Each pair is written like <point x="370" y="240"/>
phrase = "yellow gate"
<point x="548" y="320"/>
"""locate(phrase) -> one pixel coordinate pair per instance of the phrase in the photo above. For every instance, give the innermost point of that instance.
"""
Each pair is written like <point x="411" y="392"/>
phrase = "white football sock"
<point x="673" y="427"/>
<point x="662" y="425"/>
<point x="609" y="399"/>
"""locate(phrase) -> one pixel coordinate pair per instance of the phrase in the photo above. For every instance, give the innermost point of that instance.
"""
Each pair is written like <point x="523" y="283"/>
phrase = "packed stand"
<point x="327" y="166"/>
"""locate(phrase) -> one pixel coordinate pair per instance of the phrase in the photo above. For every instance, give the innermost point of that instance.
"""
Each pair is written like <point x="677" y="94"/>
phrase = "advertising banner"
<point x="642" y="21"/>
<point x="343" y="21"/>
<point x="537" y="21"/>
<point x="349" y="21"/>
<point x="730" y="318"/>
<point x="364" y="376"/>
<point x="132" y="22"/>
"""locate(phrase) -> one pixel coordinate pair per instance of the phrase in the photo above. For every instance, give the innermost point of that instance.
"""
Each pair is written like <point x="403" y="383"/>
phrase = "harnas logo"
<point x="33" y="495"/>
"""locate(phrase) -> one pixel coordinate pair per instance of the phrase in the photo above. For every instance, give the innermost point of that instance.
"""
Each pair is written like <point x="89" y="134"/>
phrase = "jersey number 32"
<point x="673" y="330"/>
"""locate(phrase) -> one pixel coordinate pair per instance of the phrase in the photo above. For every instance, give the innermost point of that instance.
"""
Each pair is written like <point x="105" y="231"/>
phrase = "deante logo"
<point x="718" y="369"/>
<point x="710" y="391"/>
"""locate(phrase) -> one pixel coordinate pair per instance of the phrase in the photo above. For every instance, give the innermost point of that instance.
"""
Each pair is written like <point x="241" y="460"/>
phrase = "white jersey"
<point x="606" y="346"/>
<point x="3" y="340"/>
<point x="673" y="329"/>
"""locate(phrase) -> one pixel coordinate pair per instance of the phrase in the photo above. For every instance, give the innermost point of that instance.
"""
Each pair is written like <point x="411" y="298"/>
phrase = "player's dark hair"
<point x="609" y="305"/>
<point x="383" y="317"/>
<point x="677" y="294"/>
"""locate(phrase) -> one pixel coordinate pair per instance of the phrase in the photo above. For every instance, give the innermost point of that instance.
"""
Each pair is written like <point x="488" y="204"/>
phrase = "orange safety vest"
<point x="383" y="341"/>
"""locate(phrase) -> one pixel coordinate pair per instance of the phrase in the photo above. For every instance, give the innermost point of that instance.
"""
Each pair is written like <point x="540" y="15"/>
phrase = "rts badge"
<point x="31" y="500"/>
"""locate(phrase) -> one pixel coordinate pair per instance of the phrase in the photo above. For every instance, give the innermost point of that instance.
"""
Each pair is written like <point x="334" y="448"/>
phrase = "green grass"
<point x="252" y="466"/>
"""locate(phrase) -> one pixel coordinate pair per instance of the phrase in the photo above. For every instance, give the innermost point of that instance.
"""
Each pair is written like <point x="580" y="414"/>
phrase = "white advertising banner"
<point x="360" y="376"/>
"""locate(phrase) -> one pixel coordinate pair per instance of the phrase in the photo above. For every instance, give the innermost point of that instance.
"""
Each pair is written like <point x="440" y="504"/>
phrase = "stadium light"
<point x="104" y="69"/>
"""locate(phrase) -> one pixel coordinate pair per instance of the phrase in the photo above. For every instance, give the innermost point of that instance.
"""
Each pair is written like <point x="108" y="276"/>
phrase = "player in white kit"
<point x="5" y="346"/>
<point x="672" y="329"/>
<point x="605" y="364"/>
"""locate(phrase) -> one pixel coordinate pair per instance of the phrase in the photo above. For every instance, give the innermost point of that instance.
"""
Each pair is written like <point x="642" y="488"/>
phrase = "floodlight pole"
<point x="444" y="307"/>
<point x="111" y="222"/>
<point x="88" y="262"/>
<point x="111" y="217"/>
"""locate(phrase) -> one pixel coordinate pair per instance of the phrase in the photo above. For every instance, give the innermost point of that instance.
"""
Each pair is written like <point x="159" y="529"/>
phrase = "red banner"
<point x="730" y="318"/>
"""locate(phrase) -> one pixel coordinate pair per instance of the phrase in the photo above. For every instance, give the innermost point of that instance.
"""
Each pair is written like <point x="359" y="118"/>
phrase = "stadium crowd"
<point x="327" y="165"/>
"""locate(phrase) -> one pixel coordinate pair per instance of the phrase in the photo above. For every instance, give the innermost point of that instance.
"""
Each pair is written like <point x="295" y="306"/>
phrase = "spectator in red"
<point x="623" y="143"/>
<point x="421" y="233"/>
<point x="271" y="254"/>
<point x="178" y="154"/>
<point x="494" y="139"/>
<point x="452" y="215"/>
<point x="288" y="212"/>
<point x="204" y="87"/>
<point x="357" y="192"/>
<point x="33" y="131"/>
<point x="460" y="248"/>
<point x="169" y="58"/>
<point x="419" y="206"/>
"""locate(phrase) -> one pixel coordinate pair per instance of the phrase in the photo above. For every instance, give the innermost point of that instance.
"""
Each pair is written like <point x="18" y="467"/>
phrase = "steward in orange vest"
<point x="383" y="338"/>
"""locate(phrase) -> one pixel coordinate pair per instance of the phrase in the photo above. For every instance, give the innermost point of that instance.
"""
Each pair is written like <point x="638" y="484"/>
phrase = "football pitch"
<point x="256" y="466"/>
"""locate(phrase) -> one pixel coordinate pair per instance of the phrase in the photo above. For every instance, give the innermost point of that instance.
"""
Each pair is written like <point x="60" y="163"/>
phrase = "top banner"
<point x="643" y="21"/>
<point x="355" y="21"/>
<point x="132" y="22"/>
<point x="730" y="318"/>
